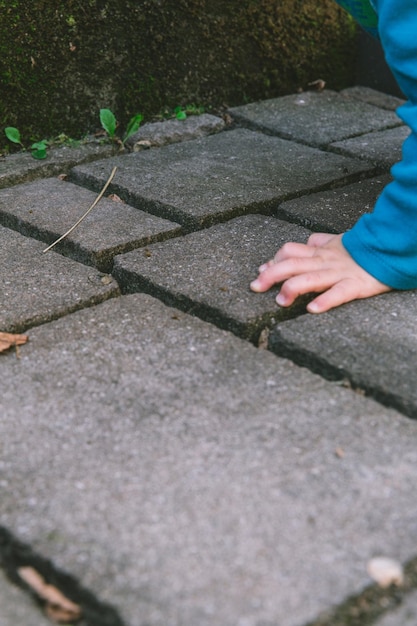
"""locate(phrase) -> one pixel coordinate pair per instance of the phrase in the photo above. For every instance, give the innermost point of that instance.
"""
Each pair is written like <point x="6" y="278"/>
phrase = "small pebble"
<point x="385" y="571"/>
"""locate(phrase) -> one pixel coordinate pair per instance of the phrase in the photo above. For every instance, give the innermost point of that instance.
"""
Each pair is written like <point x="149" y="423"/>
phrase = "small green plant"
<point x="13" y="135"/>
<point x="109" y="123"/>
<point x="38" y="148"/>
<point x="181" y="113"/>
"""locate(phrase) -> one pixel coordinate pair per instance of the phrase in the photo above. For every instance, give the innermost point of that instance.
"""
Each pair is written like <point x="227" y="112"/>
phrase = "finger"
<point x="282" y="271"/>
<point x="310" y="282"/>
<point x="345" y="291"/>
<point x="340" y="293"/>
<point x="292" y="249"/>
<point x="320" y="239"/>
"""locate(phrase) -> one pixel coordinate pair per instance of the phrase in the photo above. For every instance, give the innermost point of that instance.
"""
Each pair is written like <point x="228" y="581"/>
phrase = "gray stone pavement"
<point x="175" y="450"/>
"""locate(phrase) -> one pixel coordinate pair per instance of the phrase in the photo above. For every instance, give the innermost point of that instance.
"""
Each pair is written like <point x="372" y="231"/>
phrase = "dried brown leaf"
<point x="58" y="607"/>
<point x="9" y="340"/>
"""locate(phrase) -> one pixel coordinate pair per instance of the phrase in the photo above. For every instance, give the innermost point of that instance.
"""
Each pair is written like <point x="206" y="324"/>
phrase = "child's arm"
<point x="380" y="251"/>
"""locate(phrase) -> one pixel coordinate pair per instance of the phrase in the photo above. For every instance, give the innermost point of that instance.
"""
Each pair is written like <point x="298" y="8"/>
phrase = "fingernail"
<point x="280" y="299"/>
<point x="255" y="285"/>
<point x="313" y="308"/>
<point x="263" y="267"/>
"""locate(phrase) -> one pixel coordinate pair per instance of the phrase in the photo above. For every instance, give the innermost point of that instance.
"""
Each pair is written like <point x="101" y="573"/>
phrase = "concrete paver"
<point x="179" y="474"/>
<point x="36" y="287"/>
<point x="382" y="147"/>
<point x="199" y="182"/>
<point x="372" y="343"/>
<point x="189" y="478"/>
<point x="19" y="168"/>
<point x="209" y="272"/>
<point x="372" y="96"/>
<point x="173" y="131"/>
<point x="46" y="209"/>
<point x="336" y="210"/>
<point x="316" y="119"/>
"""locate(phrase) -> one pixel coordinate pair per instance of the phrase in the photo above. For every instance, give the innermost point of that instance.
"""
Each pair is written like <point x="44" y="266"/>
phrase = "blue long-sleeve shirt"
<point x="384" y="242"/>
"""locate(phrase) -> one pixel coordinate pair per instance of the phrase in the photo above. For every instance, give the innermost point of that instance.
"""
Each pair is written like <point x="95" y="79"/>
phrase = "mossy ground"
<point x="61" y="61"/>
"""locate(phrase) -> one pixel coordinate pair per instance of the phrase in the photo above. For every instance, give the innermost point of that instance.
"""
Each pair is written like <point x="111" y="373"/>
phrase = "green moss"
<point x="61" y="61"/>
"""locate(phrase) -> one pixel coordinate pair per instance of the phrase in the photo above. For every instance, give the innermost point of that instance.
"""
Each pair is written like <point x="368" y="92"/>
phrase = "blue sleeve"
<point x="384" y="242"/>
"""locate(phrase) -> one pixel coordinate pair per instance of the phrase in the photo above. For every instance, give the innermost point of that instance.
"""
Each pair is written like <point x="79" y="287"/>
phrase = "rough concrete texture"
<point x="371" y="343"/>
<point x="22" y="167"/>
<point x="37" y="287"/>
<point x="371" y="96"/>
<point x="189" y="478"/>
<point x="177" y="473"/>
<point x="316" y="119"/>
<point x="209" y="272"/>
<point x="16" y="608"/>
<point x="337" y="210"/>
<point x="381" y="147"/>
<point x="197" y="183"/>
<point x="173" y="131"/>
<point x="404" y="615"/>
<point x="47" y="209"/>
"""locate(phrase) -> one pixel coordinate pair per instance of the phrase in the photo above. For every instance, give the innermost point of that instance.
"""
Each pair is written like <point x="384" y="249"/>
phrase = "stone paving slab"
<point x="404" y="615"/>
<point x="313" y="118"/>
<point x="186" y="477"/>
<point x="199" y="182"/>
<point x="16" y="608"/>
<point x="372" y="343"/>
<point x="36" y="287"/>
<point x="22" y="167"/>
<point x="209" y="272"/>
<point x="336" y="210"/>
<point x="372" y="96"/>
<point x="383" y="148"/>
<point x="172" y="131"/>
<point x="46" y="209"/>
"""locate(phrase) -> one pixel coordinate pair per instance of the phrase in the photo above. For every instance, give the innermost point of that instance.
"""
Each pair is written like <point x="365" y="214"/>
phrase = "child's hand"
<point x="321" y="265"/>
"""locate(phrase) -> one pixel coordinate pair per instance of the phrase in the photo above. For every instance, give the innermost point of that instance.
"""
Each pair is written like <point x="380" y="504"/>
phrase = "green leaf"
<point x="108" y="121"/>
<point x="133" y="125"/>
<point x="40" y="153"/>
<point x="40" y="145"/>
<point x="181" y="115"/>
<point x="13" y="134"/>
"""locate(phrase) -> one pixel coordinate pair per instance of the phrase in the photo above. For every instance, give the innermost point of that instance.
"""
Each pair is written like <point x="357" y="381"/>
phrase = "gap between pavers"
<point x="22" y="167"/>
<point x="36" y="287"/>
<point x="315" y="119"/>
<point x="404" y="615"/>
<point x="188" y="478"/>
<point x="208" y="273"/>
<point x="382" y="147"/>
<point x="46" y="209"/>
<point x="372" y="343"/>
<point x="336" y="210"/>
<point x="203" y="181"/>
<point x="374" y="97"/>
